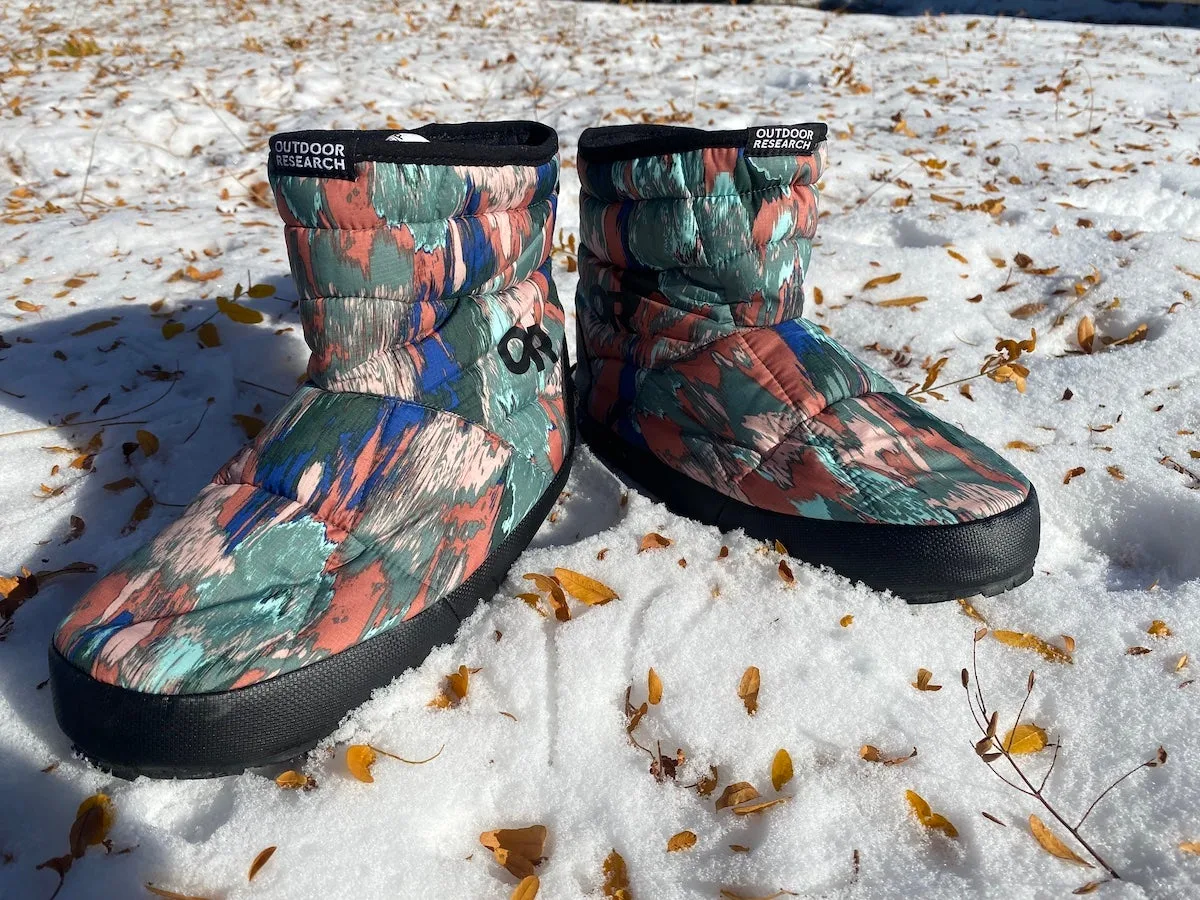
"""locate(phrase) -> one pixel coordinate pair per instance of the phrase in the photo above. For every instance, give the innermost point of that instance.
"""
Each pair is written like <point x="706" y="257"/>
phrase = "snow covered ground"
<point x="1016" y="174"/>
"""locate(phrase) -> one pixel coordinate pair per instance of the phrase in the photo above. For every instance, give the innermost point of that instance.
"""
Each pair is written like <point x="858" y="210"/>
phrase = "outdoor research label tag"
<point x="314" y="155"/>
<point x="785" y="140"/>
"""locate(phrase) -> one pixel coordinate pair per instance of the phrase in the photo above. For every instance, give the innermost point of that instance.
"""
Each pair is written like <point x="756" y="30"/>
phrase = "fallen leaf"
<point x="654" y="688"/>
<point x="616" y="877"/>
<point x="750" y="809"/>
<point x="748" y="689"/>
<point x="901" y="301"/>
<point x="685" y="840"/>
<point x="1021" y="445"/>
<point x="922" y="683"/>
<point x="208" y="335"/>
<point x="194" y="274"/>
<point x="584" y="589"/>
<point x="243" y="315"/>
<point x="781" y="769"/>
<point x="1158" y="628"/>
<point x="123" y="484"/>
<point x="846" y="621"/>
<point x="92" y="822"/>
<point x="1073" y="473"/>
<point x="654" y="541"/>
<point x="1088" y="888"/>
<point x="708" y="783"/>
<point x="1192" y="847"/>
<point x="735" y="794"/>
<point x="881" y="280"/>
<point x="259" y="862"/>
<point x="359" y="759"/>
<point x="251" y="425"/>
<point x="517" y="849"/>
<point x="739" y="848"/>
<point x="970" y="611"/>
<point x="95" y="326"/>
<point x="873" y="754"/>
<point x="785" y="573"/>
<point x="928" y="817"/>
<point x="171" y="329"/>
<point x="1032" y="642"/>
<point x="554" y="591"/>
<point x="147" y="441"/>
<point x="1051" y="843"/>
<point x="171" y="895"/>
<point x="1027" y="310"/>
<point x="1025" y="738"/>
<point x="26" y="306"/>
<point x="292" y="780"/>
<point x="1085" y="333"/>
<point x="527" y="889"/>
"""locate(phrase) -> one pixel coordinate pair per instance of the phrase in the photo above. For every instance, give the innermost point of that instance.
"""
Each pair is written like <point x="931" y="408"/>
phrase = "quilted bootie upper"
<point x="692" y="344"/>
<point x="422" y="269"/>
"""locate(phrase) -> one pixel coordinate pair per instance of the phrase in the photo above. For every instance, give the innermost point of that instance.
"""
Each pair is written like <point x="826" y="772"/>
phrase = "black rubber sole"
<point x="130" y="733"/>
<point x="919" y="563"/>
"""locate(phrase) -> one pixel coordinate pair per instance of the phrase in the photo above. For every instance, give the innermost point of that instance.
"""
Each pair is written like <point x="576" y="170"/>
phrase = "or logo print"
<point x="535" y="347"/>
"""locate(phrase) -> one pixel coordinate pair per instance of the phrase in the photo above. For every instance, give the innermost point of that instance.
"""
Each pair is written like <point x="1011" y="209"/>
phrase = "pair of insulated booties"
<point x="394" y="490"/>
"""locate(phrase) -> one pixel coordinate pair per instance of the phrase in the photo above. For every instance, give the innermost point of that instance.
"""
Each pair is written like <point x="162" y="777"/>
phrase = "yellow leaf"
<point x="685" y="840"/>
<point x="551" y="587"/>
<point x="1085" y="333"/>
<point x="735" y="794"/>
<point x="1025" y="738"/>
<point x="147" y="441"/>
<point x="171" y="895"/>
<point x="881" y="280"/>
<point x="260" y="291"/>
<point x="259" y="862"/>
<point x="781" y="769"/>
<point x="654" y="541"/>
<point x="928" y="817"/>
<point x="748" y="689"/>
<point x="584" y="589"/>
<point x="1051" y="843"/>
<point x="242" y="314"/>
<point x="1192" y="847"/>
<point x="1021" y="445"/>
<point x="92" y="822"/>
<point x="616" y="877"/>
<point x="252" y="425"/>
<point x="292" y="780"/>
<point x="194" y="274"/>
<point x="902" y="301"/>
<point x="171" y="329"/>
<point x="846" y="621"/>
<point x="460" y="682"/>
<point x="750" y="809"/>
<point x="654" y="688"/>
<point x="208" y="334"/>
<point x="26" y="306"/>
<point x="957" y="256"/>
<point x="970" y="611"/>
<point x="1159" y="629"/>
<point x="1032" y="642"/>
<point x="527" y="889"/>
<point x="359" y="759"/>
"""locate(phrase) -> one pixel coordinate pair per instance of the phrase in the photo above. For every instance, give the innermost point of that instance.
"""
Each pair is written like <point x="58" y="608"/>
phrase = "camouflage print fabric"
<point x="389" y="478"/>
<point x="692" y="347"/>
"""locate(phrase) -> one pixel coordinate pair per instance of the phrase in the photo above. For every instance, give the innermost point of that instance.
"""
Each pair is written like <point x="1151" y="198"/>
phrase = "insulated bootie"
<point x="389" y="495"/>
<point x="700" y="382"/>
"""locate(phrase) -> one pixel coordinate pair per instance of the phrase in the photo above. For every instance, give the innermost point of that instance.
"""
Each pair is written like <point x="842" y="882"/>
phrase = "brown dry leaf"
<point x="527" y="889"/>
<point x="708" y="783"/>
<point x="1192" y="847"/>
<point x="1025" y="738"/>
<point x="616" y="877"/>
<point x="924" y="676"/>
<point x="781" y="769"/>
<point x="881" y="280"/>
<point x="955" y="255"/>
<point x="735" y="794"/>
<point x="1032" y="642"/>
<point x="147" y="441"/>
<point x="1159" y="629"/>
<point x="901" y="301"/>
<point x="123" y="484"/>
<point x="654" y="541"/>
<point x="251" y="425"/>
<point x="875" y="755"/>
<point x="1137" y="651"/>
<point x="171" y="329"/>
<point x="1021" y="445"/>
<point x="1027" y="310"/>
<point x="750" y="809"/>
<point x="171" y="895"/>
<point x="1088" y="888"/>
<point x="92" y="822"/>
<point x="785" y="573"/>
<point x="553" y="590"/>
<point x="194" y="274"/>
<point x="208" y="334"/>
<point x="584" y="589"/>
<point x="517" y="849"/>
<point x="292" y="780"/>
<point x="1051" y="843"/>
<point x="927" y="817"/>
<point x="1085" y="333"/>
<point x="685" y="840"/>
<point x="1138" y="334"/>
<point x="739" y="848"/>
<point x="26" y="306"/>
<point x="259" y="862"/>
<point x="1073" y="473"/>
<point x="1181" y="663"/>
<point x="359" y="759"/>
<point x="748" y="689"/>
<point x="654" y="688"/>
<point x="1115" y="472"/>
<point x="846" y="621"/>
<point x="95" y="326"/>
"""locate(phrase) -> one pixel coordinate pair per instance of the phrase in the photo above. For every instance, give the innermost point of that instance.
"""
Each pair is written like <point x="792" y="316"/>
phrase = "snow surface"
<point x="128" y="165"/>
